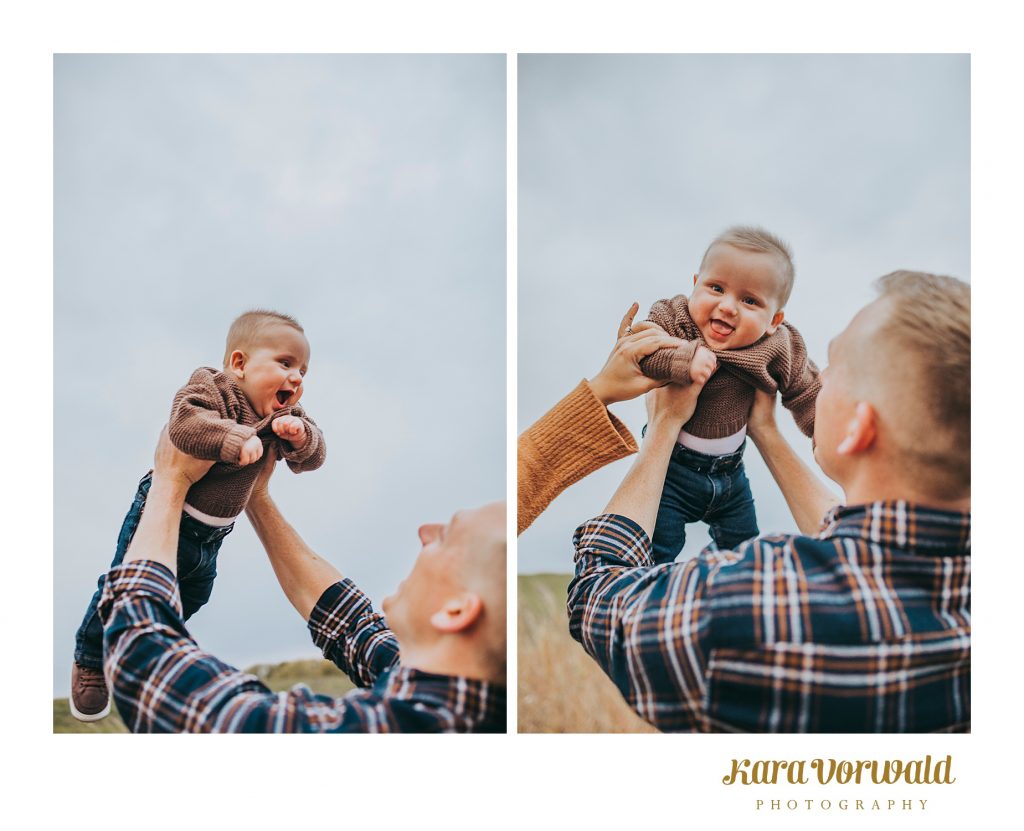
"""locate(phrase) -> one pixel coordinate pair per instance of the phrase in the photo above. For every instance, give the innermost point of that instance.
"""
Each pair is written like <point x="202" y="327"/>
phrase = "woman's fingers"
<point x="647" y="343"/>
<point x="627" y="320"/>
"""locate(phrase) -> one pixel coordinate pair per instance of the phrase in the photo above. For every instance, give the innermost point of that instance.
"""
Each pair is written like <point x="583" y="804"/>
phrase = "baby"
<point x="737" y="342"/>
<point x="231" y="417"/>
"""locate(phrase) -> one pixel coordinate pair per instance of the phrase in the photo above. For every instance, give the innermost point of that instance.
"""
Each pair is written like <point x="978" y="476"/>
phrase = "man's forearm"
<point x="303" y="575"/>
<point x="156" y="538"/>
<point x="807" y="497"/>
<point x="639" y="494"/>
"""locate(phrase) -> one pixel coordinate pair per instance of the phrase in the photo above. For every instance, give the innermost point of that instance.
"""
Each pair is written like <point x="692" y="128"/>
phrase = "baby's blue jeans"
<point x="701" y="488"/>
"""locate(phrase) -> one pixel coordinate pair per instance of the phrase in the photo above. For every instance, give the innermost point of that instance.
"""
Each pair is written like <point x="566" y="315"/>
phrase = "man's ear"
<point x="458" y="613"/>
<point x="695" y="278"/>
<point x="776" y="321"/>
<point x="237" y="362"/>
<point x="860" y="430"/>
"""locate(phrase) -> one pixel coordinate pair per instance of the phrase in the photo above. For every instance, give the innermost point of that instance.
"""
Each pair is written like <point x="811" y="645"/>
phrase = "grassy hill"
<point x="561" y="688"/>
<point x="319" y="675"/>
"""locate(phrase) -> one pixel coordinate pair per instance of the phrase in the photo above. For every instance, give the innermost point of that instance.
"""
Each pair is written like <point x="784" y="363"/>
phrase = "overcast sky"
<point x="630" y="165"/>
<point x="363" y="194"/>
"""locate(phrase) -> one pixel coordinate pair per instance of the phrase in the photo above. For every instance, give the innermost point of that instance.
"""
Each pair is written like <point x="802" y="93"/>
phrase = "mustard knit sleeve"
<point x="573" y="439"/>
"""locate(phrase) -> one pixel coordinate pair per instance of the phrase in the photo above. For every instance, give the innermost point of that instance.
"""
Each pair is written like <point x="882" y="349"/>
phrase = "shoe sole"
<point x="87" y="717"/>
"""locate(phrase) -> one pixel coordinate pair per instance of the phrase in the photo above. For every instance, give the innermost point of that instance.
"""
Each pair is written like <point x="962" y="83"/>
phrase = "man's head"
<point x="745" y="278"/>
<point x="449" y="613"/>
<point x="267" y="353"/>
<point x="895" y="402"/>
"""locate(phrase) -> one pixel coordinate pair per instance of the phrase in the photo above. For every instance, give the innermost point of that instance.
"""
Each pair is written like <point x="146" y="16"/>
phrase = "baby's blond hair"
<point x="751" y="238"/>
<point x="248" y="326"/>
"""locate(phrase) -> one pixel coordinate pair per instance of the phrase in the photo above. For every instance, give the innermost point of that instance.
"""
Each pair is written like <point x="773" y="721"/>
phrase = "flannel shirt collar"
<point x="902" y="525"/>
<point x="470" y="700"/>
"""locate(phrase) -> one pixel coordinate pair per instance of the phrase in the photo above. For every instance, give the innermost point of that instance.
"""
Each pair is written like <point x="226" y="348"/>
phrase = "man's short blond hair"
<point x="928" y="326"/>
<point x="751" y="238"/>
<point x="247" y="327"/>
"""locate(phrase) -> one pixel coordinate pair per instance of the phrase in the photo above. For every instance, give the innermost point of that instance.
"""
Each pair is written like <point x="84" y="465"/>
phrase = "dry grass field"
<point x="561" y="689"/>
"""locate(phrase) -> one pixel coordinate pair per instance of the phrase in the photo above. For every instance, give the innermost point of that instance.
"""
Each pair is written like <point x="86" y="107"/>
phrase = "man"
<point x="440" y="667"/>
<point x="860" y="624"/>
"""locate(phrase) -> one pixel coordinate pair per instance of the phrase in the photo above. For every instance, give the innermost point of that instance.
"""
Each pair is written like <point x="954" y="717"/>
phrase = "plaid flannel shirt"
<point x="163" y="682"/>
<point x="864" y="628"/>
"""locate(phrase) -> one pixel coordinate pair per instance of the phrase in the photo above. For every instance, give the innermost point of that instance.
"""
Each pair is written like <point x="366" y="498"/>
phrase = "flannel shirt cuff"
<point x="142" y="578"/>
<point x="615" y="540"/>
<point x="336" y="612"/>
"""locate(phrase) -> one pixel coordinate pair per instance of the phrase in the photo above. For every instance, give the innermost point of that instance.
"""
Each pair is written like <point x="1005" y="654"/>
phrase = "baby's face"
<point x="735" y="298"/>
<point x="272" y="372"/>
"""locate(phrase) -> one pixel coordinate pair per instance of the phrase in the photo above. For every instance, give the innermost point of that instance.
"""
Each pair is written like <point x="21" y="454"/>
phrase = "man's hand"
<point x="261" y="485"/>
<point x="762" y="415"/>
<point x="252" y="451"/>
<point x="174" y="473"/>
<point x="291" y="429"/>
<point x="171" y="464"/>
<point x="621" y="378"/>
<point x="672" y="404"/>
<point x="703" y="365"/>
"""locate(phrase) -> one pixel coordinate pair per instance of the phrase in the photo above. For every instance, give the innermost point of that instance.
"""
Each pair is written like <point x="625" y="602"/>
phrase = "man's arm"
<point x="161" y="680"/>
<point x="806" y="495"/>
<point x="644" y="624"/>
<point x="174" y="472"/>
<point x="668" y="409"/>
<point x="341" y="619"/>
<point x="304" y="576"/>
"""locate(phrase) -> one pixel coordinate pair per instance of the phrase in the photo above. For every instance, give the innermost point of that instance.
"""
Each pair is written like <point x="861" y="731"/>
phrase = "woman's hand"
<point x="762" y="415"/>
<point x="621" y="379"/>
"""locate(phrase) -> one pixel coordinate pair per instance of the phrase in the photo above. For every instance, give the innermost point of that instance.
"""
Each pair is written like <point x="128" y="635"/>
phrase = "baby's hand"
<point x="291" y="429"/>
<point x="252" y="451"/>
<point x="703" y="365"/>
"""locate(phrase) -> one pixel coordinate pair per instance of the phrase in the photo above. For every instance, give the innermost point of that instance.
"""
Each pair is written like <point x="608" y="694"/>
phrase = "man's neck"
<point x="458" y="660"/>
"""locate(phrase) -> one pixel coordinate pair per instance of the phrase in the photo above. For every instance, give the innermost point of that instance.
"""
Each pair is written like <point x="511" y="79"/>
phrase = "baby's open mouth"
<point x="720" y="327"/>
<point x="283" y="396"/>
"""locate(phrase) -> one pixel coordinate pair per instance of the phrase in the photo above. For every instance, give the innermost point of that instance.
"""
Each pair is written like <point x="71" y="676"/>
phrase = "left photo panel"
<point x="270" y="265"/>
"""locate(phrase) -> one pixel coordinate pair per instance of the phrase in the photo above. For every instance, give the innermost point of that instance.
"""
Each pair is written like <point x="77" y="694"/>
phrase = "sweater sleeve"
<point x="573" y="439"/>
<point x="800" y="384"/>
<point x="312" y="454"/>
<point x="669" y="364"/>
<point x="200" y="423"/>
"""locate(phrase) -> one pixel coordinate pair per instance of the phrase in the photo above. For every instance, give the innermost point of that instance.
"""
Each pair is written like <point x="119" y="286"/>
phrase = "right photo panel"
<point x="744" y="354"/>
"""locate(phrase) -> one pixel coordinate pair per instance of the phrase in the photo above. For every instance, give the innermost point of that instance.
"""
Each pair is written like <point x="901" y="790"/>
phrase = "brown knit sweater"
<point x="211" y="419"/>
<point x="776" y="363"/>
<point x="573" y="439"/>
